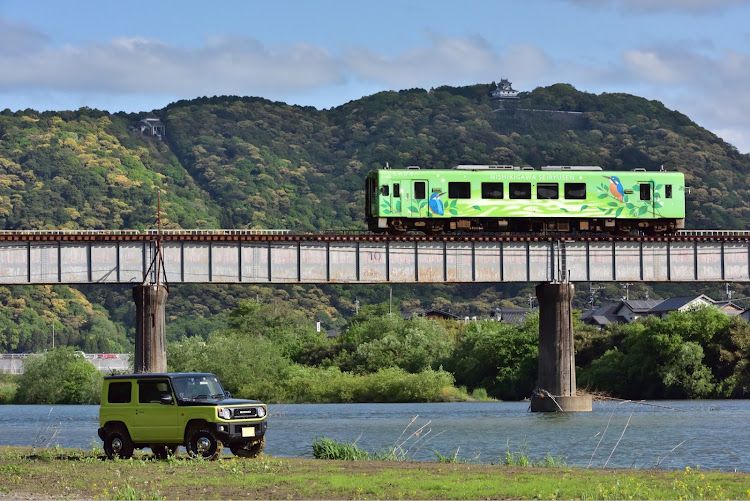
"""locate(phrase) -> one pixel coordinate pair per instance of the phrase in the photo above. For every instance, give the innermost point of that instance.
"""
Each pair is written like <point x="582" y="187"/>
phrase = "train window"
<point x="459" y="190"/>
<point x="492" y="190"/>
<point x="420" y="190"/>
<point x="668" y="191"/>
<point x="575" y="191"/>
<point x="547" y="191"/>
<point x="519" y="190"/>
<point x="645" y="191"/>
<point x="385" y="190"/>
<point x="396" y="190"/>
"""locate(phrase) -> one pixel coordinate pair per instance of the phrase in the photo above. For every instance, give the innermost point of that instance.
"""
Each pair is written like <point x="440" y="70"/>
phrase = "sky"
<point x="692" y="55"/>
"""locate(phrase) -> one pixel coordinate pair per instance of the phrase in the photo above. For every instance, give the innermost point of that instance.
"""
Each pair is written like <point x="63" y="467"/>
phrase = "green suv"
<point x="164" y="411"/>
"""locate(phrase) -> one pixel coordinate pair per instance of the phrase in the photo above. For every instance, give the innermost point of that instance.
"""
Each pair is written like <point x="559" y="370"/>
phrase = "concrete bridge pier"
<point x="556" y="383"/>
<point x="150" y="328"/>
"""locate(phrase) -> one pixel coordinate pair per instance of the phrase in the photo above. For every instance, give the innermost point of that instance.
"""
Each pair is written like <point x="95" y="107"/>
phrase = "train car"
<point x="503" y="198"/>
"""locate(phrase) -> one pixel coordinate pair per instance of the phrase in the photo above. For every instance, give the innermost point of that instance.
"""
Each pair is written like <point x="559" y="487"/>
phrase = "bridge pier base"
<point x="150" y="329"/>
<point x="556" y="383"/>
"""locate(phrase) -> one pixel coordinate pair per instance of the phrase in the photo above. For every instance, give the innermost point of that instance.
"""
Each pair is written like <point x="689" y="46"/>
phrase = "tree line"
<point x="277" y="357"/>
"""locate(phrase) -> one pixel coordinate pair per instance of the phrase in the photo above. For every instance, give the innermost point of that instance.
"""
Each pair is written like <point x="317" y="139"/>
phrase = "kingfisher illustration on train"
<point x="505" y="198"/>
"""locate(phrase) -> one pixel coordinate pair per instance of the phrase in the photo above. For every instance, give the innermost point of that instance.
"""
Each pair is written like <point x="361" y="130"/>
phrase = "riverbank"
<point x="76" y="474"/>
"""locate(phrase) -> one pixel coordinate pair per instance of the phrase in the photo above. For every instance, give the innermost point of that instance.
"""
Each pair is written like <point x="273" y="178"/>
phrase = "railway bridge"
<point x="151" y="259"/>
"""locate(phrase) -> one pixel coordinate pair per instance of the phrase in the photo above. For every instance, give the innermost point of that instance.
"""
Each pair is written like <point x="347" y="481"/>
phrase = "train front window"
<point x="492" y="190"/>
<point x="519" y="190"/>
<point x="575" y="191"/>
<point x="547" y="191"/>
<point x="645" y="191"/>
<point x="459" y="190"/>
<point x="420" y="190"/>
<point x="385" y="190"/>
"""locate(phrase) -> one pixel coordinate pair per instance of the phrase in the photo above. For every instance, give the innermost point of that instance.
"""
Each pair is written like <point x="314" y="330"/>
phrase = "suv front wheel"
<point x="203" y="443"/>
<point x="117" y="443"/>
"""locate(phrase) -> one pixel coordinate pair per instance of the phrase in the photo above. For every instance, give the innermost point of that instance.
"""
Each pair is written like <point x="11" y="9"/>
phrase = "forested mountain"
<point x="236" y="162"/>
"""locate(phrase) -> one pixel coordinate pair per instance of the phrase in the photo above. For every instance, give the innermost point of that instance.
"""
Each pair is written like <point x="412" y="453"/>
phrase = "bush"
<point x="8" y="388"/>
<point x="60" y="376"/>
<point x="309" y="384"/>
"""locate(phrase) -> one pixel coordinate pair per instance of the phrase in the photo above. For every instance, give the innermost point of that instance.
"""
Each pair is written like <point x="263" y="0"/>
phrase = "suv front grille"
<point x="244" y="412"/>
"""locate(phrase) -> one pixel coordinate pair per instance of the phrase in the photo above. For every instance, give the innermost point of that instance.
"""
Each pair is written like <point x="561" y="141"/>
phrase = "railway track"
<point x="349" y="235"/>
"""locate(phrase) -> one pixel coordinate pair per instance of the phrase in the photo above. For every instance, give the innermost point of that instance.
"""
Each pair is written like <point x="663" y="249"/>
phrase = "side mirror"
<point x="227" y="394"/>
<point x="166" y="399"/>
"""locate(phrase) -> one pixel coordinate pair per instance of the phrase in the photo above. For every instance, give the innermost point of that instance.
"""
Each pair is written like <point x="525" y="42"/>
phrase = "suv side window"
<point x="151" y="391"/>
<point x="119" y="393"/>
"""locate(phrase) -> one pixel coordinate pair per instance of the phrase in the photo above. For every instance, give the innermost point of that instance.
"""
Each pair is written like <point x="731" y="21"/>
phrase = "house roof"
<point x="603" y="315"/>
<point x="512" y="315"/>
<point x="675" y="303"/>
<point x="640" y="305"/>
<point x="152" y="122"/>
<point x="729" y="307"/>
<point x="431" y="313"/>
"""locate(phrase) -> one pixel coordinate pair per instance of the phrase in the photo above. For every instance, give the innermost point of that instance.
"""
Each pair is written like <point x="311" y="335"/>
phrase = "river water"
<point x="664" y="434"/>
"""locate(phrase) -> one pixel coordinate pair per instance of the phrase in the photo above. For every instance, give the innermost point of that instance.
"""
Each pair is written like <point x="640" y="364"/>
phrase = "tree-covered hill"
<point x="237" y="162"/>
<point x="87" y="170"/>
<point x="268" y="164"/>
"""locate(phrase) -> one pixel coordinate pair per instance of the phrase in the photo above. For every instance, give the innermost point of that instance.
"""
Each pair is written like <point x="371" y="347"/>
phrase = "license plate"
<point x="248" y="431"/>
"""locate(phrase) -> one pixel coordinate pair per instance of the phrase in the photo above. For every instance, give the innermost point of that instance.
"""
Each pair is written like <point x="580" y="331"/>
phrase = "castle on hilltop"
<point x="504" y="90"/>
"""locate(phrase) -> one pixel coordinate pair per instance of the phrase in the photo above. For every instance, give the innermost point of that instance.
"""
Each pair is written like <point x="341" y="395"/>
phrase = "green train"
<point x="504" y="198"/>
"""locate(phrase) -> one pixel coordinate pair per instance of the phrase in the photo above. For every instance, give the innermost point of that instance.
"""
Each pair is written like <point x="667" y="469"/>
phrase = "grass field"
<point x="76" y="474"/>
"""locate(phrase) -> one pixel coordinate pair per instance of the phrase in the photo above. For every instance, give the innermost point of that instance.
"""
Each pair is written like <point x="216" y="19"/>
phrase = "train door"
<point x="371" y="197"/>
<point x="419" y="190"/>
<point x="647" y="195"/>
<point x="396" y="204"/>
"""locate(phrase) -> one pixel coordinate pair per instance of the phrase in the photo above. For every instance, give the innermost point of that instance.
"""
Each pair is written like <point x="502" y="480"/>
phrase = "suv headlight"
<point x="225" y="412"/>
<point x="261" y="411"/>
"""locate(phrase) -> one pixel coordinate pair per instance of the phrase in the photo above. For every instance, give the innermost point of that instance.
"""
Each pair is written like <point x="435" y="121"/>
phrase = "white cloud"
<point x="138" y="65"/>
<point x="446" y="61"/>
<point x="656" y="67"/>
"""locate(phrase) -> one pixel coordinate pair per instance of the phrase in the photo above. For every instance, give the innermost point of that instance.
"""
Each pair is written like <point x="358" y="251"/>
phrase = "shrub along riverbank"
<point x="56" y="473"/>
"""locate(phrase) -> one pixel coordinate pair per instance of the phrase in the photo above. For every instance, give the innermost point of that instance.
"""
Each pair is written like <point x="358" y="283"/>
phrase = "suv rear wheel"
<point x="117" y="443"/>
<point x="248" y="449"/>
<point x="203" y="443"/>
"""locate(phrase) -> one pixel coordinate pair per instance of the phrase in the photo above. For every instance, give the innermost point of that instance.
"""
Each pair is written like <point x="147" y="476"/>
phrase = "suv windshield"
<point x="198" y="387"/>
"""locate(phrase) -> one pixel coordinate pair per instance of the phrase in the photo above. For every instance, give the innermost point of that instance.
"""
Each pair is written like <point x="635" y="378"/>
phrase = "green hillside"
<point x="236" y="162"/>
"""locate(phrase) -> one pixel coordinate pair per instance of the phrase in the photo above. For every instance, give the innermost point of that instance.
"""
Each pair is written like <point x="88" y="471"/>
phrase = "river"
<point x="664" y="434"/>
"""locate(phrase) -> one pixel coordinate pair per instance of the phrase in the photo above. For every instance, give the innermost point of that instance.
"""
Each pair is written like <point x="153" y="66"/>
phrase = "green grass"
<point x="77" y="474"/>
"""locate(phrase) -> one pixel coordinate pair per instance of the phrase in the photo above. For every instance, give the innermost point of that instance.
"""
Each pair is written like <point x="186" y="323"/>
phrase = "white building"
<point x="504" y="90"/>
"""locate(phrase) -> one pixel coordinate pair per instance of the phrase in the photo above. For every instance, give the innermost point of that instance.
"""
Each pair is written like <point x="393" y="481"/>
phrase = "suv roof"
<point x="148" y="375"/>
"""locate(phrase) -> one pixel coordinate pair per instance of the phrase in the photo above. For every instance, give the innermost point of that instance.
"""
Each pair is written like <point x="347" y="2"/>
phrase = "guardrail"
<point x="12" y="363"/>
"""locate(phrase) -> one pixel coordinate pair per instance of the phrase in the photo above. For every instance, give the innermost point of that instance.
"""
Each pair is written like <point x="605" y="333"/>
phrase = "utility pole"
<point x="626" y="286"/>
<point x="592" y="294"/>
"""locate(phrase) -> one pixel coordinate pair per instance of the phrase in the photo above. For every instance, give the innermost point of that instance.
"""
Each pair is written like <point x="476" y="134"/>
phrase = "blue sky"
<point x="693" y="55"/>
